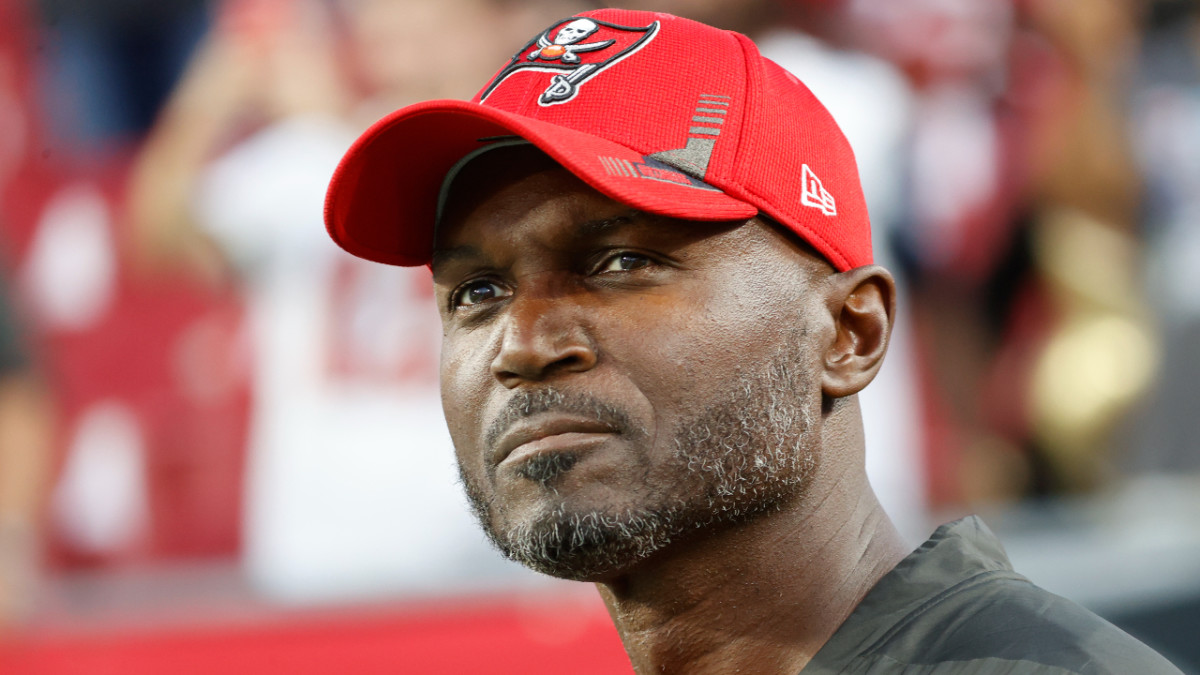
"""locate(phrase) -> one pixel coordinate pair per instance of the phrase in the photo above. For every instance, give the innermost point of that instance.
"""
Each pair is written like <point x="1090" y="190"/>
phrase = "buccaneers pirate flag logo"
<point x="573" y="51"/>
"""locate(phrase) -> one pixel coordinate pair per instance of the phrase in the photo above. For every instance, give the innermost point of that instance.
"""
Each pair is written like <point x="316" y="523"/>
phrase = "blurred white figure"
<point x="955" y="52"/>
<point x="352" y="483"/>
<point x="70" y="273"/>
<point x="100" y="501"/>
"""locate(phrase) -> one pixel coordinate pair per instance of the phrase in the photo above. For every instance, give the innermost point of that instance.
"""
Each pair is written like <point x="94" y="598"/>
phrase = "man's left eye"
<point x="624" y="262"/>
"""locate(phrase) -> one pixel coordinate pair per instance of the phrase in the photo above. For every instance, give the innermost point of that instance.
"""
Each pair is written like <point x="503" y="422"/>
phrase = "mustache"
<point x="525" y="404"/>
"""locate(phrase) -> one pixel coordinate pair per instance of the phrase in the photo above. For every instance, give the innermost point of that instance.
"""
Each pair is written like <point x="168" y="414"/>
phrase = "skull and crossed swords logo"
<point x="570" y="57"/>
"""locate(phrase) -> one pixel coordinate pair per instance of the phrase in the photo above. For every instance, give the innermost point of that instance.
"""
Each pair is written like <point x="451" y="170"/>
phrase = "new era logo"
<point x="816" y="195"/>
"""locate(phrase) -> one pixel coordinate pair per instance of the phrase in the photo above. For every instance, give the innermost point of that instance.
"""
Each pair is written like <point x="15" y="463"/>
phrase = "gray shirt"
<point x="955" y="605"/>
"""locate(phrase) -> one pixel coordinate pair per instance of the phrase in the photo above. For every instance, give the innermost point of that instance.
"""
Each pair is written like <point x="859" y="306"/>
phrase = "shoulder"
<point x="955" y="606"/>
<point x="998" y="619"/>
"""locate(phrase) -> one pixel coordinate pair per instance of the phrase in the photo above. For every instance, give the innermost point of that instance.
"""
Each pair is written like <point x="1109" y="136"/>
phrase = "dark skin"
<point x="544" y="282"/>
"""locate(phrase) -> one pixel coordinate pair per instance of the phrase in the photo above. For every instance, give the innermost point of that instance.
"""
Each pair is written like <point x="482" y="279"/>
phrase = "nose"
<point x="543" y="337"/>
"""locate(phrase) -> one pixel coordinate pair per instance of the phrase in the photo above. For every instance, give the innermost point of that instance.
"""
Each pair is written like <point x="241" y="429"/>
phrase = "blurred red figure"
<point x="144" y="380"/>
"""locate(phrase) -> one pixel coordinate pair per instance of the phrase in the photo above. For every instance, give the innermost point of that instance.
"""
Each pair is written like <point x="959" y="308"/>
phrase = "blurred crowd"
<point x="190" y="369"/>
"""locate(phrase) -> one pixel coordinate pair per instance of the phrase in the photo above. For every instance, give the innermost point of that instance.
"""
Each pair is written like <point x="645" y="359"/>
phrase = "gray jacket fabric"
<point x="955" y="606"/>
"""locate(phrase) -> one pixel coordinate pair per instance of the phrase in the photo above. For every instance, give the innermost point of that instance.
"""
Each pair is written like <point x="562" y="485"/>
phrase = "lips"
<point x="543" y="427"/>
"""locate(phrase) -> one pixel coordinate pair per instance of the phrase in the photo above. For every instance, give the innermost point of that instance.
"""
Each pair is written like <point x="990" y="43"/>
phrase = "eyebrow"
<point x="445" y="256"/>
<point x="603" y="226"/>
<point x="590" y="228"/>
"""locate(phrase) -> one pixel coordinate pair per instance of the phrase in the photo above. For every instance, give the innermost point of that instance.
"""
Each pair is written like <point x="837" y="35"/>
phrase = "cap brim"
<point x="382" y="200"/>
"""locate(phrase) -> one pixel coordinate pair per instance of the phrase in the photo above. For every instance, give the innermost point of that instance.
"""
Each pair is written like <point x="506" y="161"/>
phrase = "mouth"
<point x="545" y="434"/>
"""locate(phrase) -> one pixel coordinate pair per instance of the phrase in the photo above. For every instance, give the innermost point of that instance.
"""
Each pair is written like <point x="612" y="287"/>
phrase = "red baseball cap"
<point x="662" y="113"/>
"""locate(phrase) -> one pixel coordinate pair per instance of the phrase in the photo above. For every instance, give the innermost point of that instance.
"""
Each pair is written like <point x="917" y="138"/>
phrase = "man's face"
<point x="616" y="382"/>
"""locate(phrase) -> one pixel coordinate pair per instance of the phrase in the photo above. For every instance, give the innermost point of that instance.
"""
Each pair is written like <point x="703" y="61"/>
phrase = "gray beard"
<point x="744" y="456"/>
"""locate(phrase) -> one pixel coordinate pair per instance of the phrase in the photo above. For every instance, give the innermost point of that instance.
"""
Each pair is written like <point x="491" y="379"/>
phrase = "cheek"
<point x="688" y="355"/>
<point x="464" y="375"/>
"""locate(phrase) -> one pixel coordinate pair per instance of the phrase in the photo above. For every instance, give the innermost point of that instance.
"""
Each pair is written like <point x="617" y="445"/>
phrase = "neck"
<point x="761" y="596"/>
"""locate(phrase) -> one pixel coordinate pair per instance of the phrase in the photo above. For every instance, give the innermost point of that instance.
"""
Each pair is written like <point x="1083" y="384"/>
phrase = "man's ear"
<point x="862" y="304"/>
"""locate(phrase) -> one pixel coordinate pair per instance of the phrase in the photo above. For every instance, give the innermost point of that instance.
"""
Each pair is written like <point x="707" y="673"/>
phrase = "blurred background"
<point x="221" y="444"/>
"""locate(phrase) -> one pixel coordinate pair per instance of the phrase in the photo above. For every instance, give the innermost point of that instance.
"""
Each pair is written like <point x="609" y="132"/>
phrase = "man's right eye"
<point x="477" y="292"/>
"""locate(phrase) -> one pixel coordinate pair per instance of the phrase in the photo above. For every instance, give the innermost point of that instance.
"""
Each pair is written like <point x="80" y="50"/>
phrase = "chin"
<point x="586" y="545"/>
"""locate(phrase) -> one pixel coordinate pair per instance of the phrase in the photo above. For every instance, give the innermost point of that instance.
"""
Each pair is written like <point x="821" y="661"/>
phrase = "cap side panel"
<point x="798" y="167"/>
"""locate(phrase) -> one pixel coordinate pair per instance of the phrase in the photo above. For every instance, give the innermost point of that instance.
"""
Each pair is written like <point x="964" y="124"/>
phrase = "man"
<point x="658" y="305"/>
